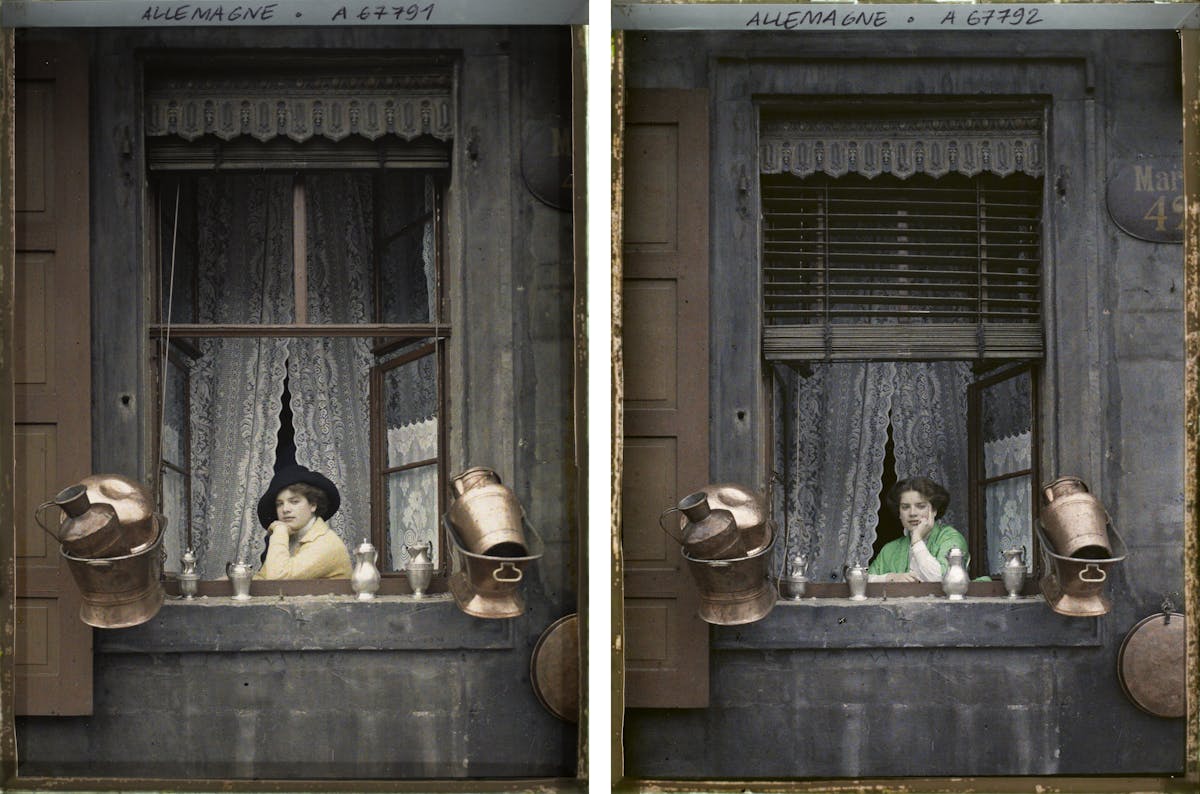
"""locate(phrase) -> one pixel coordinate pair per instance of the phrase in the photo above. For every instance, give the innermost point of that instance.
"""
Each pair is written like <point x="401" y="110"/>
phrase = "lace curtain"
<point x="236" y="385"/>
<point x="830" y="443"/>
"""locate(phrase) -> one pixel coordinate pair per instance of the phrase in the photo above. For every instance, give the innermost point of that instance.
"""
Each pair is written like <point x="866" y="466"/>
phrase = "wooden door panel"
<point x="51" y="369"/>
<point x="665" y="344"/>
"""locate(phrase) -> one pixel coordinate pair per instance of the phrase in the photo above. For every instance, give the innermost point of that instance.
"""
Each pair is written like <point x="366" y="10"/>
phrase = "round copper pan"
<point x="554" y="668"/>
<point x="1151" y="665"/>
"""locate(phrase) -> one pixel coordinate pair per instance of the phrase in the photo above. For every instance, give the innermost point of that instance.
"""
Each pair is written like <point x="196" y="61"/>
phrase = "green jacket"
<point x="893" y="557"/>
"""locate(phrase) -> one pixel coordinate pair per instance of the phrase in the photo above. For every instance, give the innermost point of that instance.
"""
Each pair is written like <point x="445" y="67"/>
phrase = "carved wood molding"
<point x="407" y="106"/>
<point x="998" y="144"/>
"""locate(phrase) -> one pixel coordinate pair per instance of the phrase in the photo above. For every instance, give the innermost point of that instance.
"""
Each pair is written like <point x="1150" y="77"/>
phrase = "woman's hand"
<point x="279" y="525"/>
<point x="922" y="530"/>
<point x="901" y="577"/>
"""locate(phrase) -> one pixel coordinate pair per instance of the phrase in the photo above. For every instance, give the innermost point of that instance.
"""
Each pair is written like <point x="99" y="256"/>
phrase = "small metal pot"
<point x="119" y="592"/>
<point x="734" y="591"/>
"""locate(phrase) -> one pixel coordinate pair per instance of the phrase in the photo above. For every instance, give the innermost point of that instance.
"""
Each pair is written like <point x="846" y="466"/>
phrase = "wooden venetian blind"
<point x="860" y="266"/>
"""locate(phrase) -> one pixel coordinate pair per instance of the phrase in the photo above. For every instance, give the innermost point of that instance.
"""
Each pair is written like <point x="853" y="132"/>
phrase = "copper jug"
<point x="1075" y="522"/>
<point x="709" y="534"/>
<point x="133" y="503"/>
<point x="748" y="509"/>
<point x="90" y="530"/>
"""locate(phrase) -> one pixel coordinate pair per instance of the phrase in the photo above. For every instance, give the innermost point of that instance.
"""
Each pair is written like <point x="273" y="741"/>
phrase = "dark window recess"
<point x="955" y="259"/>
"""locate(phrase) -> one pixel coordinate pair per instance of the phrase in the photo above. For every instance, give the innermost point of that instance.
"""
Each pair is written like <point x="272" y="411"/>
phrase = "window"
<point x="901" y="280"/>
<point x="301" y="305"/>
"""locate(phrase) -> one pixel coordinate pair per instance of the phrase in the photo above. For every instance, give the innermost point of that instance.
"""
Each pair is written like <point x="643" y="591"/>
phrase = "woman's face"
<point x="914" y="509"/>
<point x="294" y="509"/>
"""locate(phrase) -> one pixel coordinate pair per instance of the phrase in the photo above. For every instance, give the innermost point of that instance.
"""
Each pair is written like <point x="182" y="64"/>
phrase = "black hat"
<point x="288" y="476"/>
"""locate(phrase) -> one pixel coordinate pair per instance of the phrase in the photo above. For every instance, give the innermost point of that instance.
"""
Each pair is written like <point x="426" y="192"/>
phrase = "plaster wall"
<point x="1014" y="701"/>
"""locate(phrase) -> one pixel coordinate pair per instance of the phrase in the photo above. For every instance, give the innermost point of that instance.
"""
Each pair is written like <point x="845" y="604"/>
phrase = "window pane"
<point x="175" y="508"/>
<point x="411" y="408"/>
<point x="339" y="221"/>
<point x="1007" y="426"/>
<point x="232" y="249"/>
<point x="1007" y="410"/>
<point x="1008" y="519"/>
<point x="177" y="249"/>
<point x="407" y="252"/>
<point x="174" y="429"/>
<point x="412" y="519"/>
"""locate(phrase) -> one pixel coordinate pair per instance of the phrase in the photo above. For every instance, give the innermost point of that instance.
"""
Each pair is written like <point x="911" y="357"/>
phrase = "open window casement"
<point x="298" y="237"/>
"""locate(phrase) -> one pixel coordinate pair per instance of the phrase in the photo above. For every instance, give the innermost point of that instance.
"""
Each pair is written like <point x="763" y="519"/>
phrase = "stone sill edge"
<point x="911" y="623"/>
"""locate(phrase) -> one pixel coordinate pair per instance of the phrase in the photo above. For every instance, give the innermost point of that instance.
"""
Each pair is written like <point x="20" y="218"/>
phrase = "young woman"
<point x="301" y="544"/>
<point x="920" y="555"/>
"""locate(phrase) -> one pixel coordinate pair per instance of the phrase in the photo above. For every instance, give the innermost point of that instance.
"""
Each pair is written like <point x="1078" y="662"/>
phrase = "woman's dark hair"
<point x="938" y="496"/>
<point x="313" y="494"/>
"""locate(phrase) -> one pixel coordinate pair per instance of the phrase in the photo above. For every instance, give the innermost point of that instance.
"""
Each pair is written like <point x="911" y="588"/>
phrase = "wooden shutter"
<point x="665" y="341"/>
<point x="52" y="372"/>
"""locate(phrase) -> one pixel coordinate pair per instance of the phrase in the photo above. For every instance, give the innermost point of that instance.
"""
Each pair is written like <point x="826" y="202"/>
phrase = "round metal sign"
<point x="1151" y="665"/>
<point x="546" y="162"/>
<point x="1145" y="198"/>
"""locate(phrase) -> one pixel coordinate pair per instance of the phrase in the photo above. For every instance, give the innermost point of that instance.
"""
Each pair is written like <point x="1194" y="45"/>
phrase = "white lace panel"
<point x="832" y="425"/>
<point x="1008" y="508"/>
<point x="244" y="271"/>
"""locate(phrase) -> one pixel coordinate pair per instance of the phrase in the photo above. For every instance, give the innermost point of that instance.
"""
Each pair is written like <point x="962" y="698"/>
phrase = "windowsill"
<point x="919" y="621"/>
<point x="390" y="584"/>
<point x="220" y="624"/>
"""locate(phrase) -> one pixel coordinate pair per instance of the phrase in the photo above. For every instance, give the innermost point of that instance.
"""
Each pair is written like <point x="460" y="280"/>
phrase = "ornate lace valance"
<point x="969" y="145"/>
<point x="334" y="107"/>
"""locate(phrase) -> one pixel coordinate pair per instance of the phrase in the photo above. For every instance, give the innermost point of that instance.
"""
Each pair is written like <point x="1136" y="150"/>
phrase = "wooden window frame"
<point x="926" y="349"/>
<point x="976" y="480"/>
<point x="383" y="336"/>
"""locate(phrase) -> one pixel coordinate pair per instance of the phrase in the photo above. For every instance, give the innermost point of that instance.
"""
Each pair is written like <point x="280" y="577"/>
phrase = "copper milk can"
<point x="89" y="530"/>
<point x="1075" y="521"/>
<point x="487" y="514"/>
<point x="709" y="534"/>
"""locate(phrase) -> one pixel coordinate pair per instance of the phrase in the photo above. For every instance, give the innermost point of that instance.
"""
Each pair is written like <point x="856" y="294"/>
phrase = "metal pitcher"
<point x="856" y="578"/>
<point x="239" y="574"/>
<point x="709" y="534"/>
<point x="955" y="580"/>
<point x="1075" y="521"/>
<point x="419" y="567"/>
<point x="364" y="580"/>
<point x="89" y="530"/>
<point x="1014" y="571"/>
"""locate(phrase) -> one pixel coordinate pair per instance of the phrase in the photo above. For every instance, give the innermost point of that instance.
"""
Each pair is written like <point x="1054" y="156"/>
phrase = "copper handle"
<point x="496" y="573"/>
<point x="677" y="538"/>
<point x="1098" y="569"/>
<point x="37" y="516"/>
